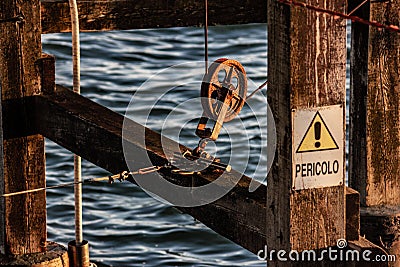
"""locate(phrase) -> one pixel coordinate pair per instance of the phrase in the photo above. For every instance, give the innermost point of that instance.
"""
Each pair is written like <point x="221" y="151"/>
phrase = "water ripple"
<point x="126" y="227"/>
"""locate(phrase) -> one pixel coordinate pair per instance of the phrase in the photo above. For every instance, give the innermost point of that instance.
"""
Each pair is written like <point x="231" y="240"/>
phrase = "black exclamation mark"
<point x="317" y="133"/>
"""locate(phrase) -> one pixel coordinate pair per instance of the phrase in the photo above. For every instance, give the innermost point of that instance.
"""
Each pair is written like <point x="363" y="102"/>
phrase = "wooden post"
<point x="2" y="203"/>
<point x="100" y="15"/>
<point x="358" y="96"/>
<point x="47" y="68"/>
<point x="375" y="129"/>
<point x="23" y="218"/>
<point x="24" y="162"/>
<point x="306" y="70"/>
<point x="375" y="107"/>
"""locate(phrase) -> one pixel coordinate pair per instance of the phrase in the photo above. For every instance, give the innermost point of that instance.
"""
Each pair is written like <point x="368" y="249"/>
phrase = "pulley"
<point x="223" y="94"/>
<point x="224" y="83"/>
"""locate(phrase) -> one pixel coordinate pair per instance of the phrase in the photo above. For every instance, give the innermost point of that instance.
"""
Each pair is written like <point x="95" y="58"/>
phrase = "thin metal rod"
<point x="36" y="190"/>
<point x="111" y="178"/>
<point x="78" y="200"/>
<point x="258" y="89"/>
<point x="206" y="35"/>
<point x="360" y="5"/>
<point x="76" y="89"/>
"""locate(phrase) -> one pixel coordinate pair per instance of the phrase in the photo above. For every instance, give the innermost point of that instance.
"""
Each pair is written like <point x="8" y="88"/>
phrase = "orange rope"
<point x="336" y="15"/>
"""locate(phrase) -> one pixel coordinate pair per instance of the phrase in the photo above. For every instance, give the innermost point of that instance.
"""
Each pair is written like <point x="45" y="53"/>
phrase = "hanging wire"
<point x="76" y="88"/>
<point x="206" y="35"/>
<point x="258" y="89"/>
<point x="357" y="7"/>
<point x="123" y="176"/>
<point x="126" y="175"/>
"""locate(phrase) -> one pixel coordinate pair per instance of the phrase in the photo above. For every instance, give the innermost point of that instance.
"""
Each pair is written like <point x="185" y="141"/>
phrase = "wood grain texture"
<point x="2" y="202"/>
<point x="47" y="68"/>
<point x="318" y="56"/>
<point x="374" y="124"/>
<point x="96" y="15"/>
<point x="383" y="104"/>
<point x="55" y="256"/>
<point x="306" y="68"/>
<point x="381" y="225"/>
<point x="239" y="216"/>
<point x="24" y="164"/>
<point x="279" y="184"/>
<point x="358" y="98"/>
<point x="96" y="135"/>
<point x="363" y="244"/>
<point x="352" y="214"/>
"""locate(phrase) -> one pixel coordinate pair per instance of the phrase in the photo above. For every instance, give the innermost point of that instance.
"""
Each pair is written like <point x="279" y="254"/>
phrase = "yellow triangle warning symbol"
<point x="317" y="137"/>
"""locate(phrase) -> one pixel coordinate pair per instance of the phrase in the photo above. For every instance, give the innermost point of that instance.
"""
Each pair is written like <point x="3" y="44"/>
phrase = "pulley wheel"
<point x="224" y="75"/>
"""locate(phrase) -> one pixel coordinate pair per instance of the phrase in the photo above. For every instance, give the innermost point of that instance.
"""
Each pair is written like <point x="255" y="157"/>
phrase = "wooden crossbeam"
<point x="96" y="15"/>
<point x="95" y="133"/>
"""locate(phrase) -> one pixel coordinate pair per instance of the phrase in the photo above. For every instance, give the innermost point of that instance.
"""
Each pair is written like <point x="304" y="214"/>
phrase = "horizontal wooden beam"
<point x="95" y="133"/>
<point x="100" y="15"/>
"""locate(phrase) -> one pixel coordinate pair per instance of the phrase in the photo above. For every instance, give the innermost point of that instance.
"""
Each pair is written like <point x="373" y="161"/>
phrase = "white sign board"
<point x="318" y="147"/>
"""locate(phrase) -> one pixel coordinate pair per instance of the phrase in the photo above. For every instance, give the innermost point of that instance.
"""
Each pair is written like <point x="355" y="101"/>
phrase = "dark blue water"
<point x="126" y="227"/>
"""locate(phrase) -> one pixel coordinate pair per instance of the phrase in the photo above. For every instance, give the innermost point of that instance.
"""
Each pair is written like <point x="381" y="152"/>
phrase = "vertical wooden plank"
<point x="47" y="67"/>
<point x="352" y="214"/>
<point x="279" y="177"/>
<point x="383" y="104"/>
<point x="376" y="99"/>
<point x="358" y="97"/>
<point x="2" y="203"/>
<point x="306" y="68"/>
<point x="374" y="121"/>
<point x="24" y="163"/>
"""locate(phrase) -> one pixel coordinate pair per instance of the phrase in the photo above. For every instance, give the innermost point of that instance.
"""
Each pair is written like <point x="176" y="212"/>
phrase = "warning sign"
<point x="318" y="147"/>
<point x="318" y="137"/>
